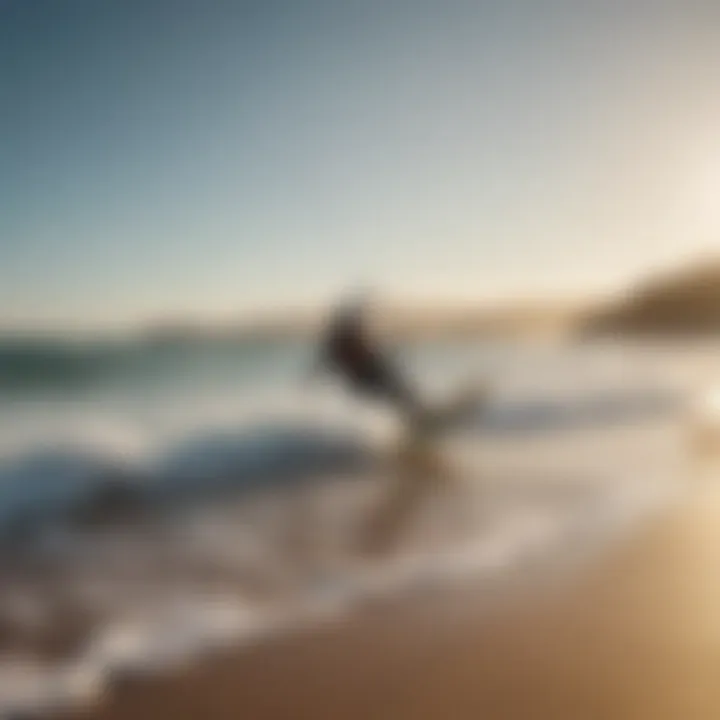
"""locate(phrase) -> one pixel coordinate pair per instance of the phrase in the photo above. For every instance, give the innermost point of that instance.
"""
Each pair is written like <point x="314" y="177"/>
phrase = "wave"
<point x="27" y="363"/>
<point x="593" y="410"/>
<point x="51" y="484"/>
<point x="47" y="486"/>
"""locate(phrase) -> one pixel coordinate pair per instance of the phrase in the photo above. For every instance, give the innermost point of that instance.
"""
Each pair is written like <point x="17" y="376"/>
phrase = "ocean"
<point x="166" y="499"/>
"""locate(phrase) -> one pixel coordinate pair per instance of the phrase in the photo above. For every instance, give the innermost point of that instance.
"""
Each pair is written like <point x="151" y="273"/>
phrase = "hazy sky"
<point x="162" y="157"/>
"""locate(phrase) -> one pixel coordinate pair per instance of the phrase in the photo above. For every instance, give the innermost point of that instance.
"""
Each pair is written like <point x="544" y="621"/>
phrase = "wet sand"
<point x="635" y="636"/>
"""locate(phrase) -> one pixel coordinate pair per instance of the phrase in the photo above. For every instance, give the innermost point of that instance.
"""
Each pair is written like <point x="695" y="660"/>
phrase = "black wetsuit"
<point x="349" y="352"/>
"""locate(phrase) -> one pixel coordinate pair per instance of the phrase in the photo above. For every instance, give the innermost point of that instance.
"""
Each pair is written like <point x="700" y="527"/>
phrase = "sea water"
<point x="181" y="496"/>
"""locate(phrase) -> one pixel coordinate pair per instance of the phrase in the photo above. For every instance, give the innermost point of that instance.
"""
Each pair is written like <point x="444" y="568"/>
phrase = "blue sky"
<point x="215" y="157"/>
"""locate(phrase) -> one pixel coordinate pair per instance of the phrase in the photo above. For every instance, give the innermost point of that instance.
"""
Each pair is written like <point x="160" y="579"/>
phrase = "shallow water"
<point x="177" y="503"/>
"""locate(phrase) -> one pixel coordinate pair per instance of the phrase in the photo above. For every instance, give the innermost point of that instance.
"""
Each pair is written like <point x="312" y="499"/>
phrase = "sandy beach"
<point x="634" y="635"/>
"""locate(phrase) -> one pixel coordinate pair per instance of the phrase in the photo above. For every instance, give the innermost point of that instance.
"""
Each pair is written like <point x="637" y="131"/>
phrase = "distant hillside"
<point x="686" y="301"/>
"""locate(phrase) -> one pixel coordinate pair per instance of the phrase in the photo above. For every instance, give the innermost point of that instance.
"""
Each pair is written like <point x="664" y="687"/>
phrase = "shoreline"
<point x="628" y="637"/>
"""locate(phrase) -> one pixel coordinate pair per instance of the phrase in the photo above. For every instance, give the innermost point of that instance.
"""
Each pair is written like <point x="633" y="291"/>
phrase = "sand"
<point x="635" y="635"/>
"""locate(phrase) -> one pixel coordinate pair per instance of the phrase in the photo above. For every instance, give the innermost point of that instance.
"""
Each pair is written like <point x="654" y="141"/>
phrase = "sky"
<point x="210" y="158"/>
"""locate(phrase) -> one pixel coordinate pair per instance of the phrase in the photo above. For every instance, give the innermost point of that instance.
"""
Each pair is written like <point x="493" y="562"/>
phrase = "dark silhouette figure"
<point x="348" y="350"/>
